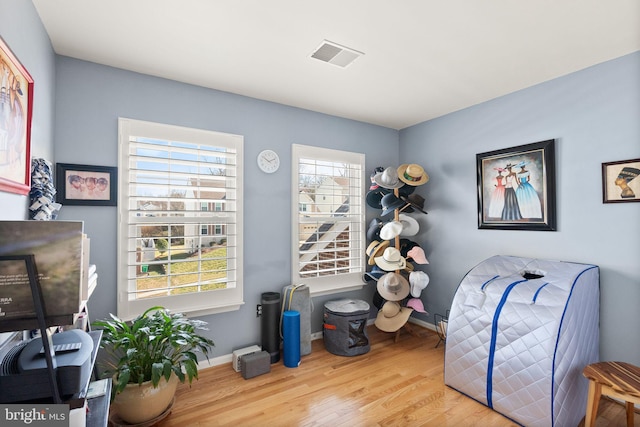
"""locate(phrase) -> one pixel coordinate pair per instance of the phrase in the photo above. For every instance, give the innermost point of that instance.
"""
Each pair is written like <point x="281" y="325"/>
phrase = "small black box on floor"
<point x="255" y="364"/>
<point x="345" y="327"/>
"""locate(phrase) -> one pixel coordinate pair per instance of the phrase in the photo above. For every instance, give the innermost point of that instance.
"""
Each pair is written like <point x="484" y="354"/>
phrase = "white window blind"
<point x="328" y="252"/>
<point x="170" y="179"/>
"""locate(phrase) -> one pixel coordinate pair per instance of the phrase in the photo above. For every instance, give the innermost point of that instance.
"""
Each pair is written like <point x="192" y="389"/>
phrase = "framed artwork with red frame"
<point x="16" y="106"/>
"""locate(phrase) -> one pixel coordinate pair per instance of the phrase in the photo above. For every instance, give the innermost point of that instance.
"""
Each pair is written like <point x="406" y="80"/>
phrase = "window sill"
<point x="214" y="310"/>
<point x="316" y="290"/>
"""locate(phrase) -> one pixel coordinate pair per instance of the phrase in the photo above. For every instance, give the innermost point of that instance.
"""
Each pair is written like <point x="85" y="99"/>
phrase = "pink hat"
<point x="416" y="253"/>
<point x="416" y="304"/>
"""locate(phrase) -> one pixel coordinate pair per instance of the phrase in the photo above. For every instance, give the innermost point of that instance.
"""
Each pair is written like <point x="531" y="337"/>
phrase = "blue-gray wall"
<point x="594" y="115"/>
<point x="91" y="97"/>
<point x="21" y="29"/>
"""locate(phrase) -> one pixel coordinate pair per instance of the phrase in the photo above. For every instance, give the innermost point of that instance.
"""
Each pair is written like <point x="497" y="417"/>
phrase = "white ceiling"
<point x="422" y="58"/>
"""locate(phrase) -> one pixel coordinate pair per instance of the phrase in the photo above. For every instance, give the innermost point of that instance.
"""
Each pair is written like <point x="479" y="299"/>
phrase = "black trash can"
<point x="345" y="327"/>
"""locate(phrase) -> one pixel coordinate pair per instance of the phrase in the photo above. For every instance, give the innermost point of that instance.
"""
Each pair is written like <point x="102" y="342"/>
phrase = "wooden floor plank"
<point x="394" y="384"/>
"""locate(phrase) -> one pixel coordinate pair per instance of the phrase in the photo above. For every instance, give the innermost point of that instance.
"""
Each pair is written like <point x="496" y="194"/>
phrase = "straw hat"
<point x="412" y="174"/>
<point x="392" y="316"/>
<point x="376" y="248"/>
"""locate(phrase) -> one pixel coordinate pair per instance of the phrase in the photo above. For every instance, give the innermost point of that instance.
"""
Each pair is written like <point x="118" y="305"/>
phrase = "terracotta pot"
<point x="139" y="403"/>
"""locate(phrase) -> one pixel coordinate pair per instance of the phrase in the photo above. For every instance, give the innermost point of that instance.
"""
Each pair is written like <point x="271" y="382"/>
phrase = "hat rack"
<point x="396" y="218"/>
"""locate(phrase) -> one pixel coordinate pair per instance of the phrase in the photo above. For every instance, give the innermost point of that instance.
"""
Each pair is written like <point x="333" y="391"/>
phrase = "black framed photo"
<point x="86" y="185"/>
<point x="620" y="182"/>
<point x="516" y="188"/>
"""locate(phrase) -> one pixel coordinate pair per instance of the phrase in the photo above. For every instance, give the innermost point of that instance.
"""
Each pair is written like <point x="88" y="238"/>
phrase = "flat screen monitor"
<point x="57" y="249"/>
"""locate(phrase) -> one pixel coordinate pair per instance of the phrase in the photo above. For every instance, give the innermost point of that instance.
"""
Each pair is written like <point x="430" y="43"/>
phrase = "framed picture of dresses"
<point x="620" y="181"/>
<point x="516" y="188"/>
<point x="16" y="104"/>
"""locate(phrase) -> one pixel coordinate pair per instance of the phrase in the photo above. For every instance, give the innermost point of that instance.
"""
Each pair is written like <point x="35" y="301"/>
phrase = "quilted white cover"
<point x="519" y="346"/>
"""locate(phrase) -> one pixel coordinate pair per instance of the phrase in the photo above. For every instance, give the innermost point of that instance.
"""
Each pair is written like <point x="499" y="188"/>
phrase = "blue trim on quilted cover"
<point x="484" y="285"/>
<point x="555" y="350"/>
<point x="535" y="296"/>
<point x="492" y="345"/>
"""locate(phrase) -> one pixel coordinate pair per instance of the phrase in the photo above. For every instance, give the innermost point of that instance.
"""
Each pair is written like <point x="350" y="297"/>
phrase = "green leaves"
<point x="122" y="379"/>
<point x="156" y="373"/>
<point x="152" y="346"/>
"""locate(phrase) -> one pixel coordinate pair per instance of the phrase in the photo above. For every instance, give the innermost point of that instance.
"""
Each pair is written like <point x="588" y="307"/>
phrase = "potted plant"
<point x="147" y="357"/>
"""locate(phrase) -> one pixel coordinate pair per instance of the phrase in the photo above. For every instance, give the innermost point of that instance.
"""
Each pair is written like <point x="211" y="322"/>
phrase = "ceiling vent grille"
<point x="335" y="54"/>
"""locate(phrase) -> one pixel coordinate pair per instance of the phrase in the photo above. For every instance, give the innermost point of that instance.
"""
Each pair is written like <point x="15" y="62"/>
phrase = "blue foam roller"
<point x="291" y="338"/>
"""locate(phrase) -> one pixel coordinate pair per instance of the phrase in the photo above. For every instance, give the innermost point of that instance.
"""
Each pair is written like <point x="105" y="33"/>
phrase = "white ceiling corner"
<point x="423" y="58"/>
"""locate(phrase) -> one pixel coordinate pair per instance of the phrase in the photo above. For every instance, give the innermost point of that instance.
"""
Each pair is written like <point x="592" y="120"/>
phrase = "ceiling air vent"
<point x="335" y="54"/>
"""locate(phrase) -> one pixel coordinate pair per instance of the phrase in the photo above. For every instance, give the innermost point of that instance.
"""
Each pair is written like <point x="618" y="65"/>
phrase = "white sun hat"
<point x="391" y="260"/>
<point x="410" y="226"/>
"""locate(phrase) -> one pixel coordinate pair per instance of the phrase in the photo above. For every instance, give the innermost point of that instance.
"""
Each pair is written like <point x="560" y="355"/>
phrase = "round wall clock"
<point x="268" y="161"/>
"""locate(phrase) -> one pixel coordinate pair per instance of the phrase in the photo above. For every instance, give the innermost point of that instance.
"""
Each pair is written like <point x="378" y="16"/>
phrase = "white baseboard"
<point x="422" y="323"/>
<point x="228" y="358"/>
<point x="216" y="361"/>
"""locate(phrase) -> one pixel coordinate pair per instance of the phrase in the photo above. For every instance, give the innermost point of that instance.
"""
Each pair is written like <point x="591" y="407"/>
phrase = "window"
<point x="328" y="215"/>
<point x="170" y="179"/>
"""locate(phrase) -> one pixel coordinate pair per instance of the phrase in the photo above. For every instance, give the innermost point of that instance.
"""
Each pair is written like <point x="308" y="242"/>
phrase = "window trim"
<point x="326" y="285"/>
<point x="225" y="299"/>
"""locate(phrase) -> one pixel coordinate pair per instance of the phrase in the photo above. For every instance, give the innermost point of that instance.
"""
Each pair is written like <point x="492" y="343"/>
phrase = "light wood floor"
<point x="395" y="384"/>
